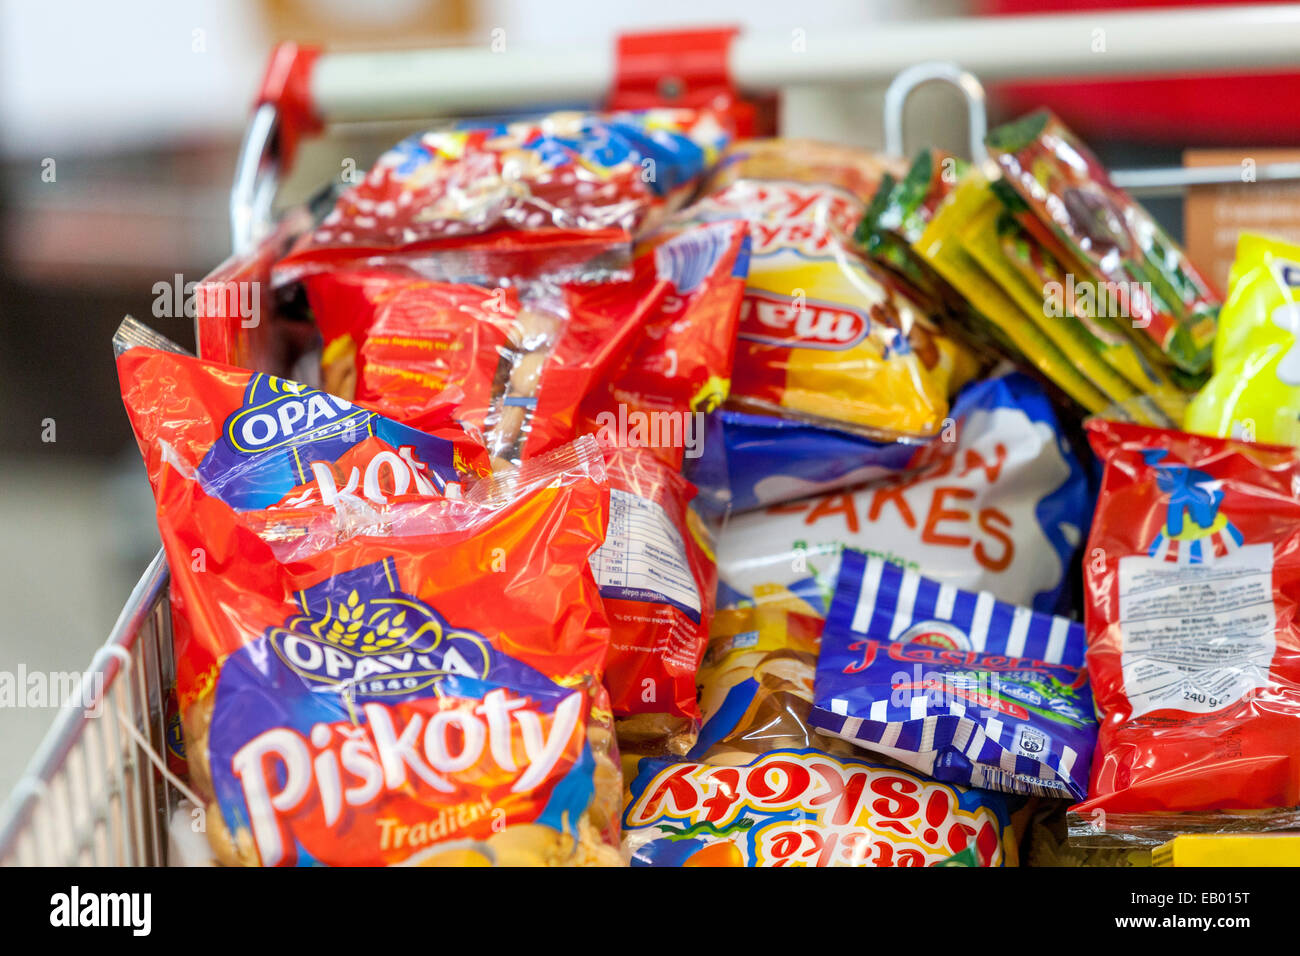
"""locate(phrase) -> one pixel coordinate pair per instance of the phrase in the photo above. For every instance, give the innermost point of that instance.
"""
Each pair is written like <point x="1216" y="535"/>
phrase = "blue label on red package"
<point x="268" y="445"/>
<point x="368" y="729"/>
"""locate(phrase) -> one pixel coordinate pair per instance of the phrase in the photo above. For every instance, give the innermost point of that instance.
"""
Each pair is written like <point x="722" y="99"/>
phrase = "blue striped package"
<point x="956" y="684"/>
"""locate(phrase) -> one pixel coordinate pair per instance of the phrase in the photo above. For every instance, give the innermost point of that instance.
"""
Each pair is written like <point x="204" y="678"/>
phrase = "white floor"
<point x="72" y="542"/>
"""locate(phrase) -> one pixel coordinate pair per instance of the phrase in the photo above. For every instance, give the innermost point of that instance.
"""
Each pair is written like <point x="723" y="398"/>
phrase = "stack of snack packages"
<point x="1056" y="268"/>
<point x="668" y="499"/>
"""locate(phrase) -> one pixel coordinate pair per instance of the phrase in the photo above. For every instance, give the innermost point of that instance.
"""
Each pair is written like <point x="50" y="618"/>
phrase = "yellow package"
<point x="980" y="237"/>
<point x="824" y="332"/>
<point x="1229" y="849"/>
<point x="941" y="246"/>
<point x="1254" y="393"/>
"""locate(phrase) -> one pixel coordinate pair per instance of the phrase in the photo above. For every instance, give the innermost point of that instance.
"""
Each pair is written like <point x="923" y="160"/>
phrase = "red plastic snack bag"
<point x="405" y="345"/>
<point x="657" y="576"/>
<point x="656" y="569"/>
<point x="514" y="362"/>
<point x="824" y="334"/>
<point x="253" y="439"/>
<point x="560" y="195"/>
<point x="423" y="688"/>
<point x="680" y="368"/>
<point x="510" y="362"/>
<point x="1193" y="582"/>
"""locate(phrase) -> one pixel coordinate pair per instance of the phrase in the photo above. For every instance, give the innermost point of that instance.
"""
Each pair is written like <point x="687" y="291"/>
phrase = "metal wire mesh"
<point x="91" y="796"/>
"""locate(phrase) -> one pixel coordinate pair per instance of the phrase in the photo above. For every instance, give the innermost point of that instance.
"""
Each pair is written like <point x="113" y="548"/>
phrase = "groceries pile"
<point x="666" y="499"/>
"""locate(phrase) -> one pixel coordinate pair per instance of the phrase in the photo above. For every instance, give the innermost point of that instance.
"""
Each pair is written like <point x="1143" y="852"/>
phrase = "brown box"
<point x="1213" y="216"/>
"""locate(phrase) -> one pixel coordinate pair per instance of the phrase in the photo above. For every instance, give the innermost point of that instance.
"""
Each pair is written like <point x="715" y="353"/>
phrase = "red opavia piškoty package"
<point x="416" y="683"/>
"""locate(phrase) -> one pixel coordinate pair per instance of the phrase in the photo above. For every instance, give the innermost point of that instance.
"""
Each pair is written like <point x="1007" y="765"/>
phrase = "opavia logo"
<point x="801" y="808"/>
<point x="75" y="908"/>
<point x="358" y="631"/>
<point x="279" y="412"/>
<point x="780" y="320"/>
<point x="1194" y="530"/>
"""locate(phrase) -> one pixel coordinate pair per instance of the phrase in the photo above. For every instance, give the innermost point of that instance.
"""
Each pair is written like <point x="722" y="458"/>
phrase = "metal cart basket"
<point x="97" y="791"/>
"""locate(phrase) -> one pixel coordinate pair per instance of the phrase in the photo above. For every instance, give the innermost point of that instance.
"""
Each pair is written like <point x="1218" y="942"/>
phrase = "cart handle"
<point x="305" y="88"/>
<point x="348" y="86"/>
<point x="972" y="91"/>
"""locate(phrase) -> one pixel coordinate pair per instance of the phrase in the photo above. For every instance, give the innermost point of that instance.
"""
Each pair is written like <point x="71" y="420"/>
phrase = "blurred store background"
<point x="119" y="125"/>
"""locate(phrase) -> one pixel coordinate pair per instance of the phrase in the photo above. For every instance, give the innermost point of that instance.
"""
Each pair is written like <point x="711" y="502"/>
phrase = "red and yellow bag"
<point x="1193" y="585"/>
<point x="824" y="333"/>
<point x="412" y="681"/>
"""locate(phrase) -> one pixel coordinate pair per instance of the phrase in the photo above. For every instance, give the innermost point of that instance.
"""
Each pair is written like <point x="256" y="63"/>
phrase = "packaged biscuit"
<point x="420" y="688"/>
<point x="404" y="344"/>
<point x="657" y="576"/>
<point x="560" y="196"/>
<point x="679" y="369"/>
<point x="253" y="440"/>
<point x="762" y="789"/>
<point x="824" y="333"/>
<point x="961" y="686"/>
<point x="996" y="314"/>
<point x="656" y="568"/>
<point x="1069" y="318"/>
<point x="510" y="363"/>
<point x="1029" y="305"/>
<point x="1074" y="209"/>
<point x="1255" y="391"/>
<point x="1193" y="582"/>
<point x="1003" y="510"/>
<point x="514" y="362"/>
<point x="902" y="208"/>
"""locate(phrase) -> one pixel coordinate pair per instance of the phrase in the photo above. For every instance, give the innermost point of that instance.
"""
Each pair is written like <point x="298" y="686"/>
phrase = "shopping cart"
<point x="98" y="791"/>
